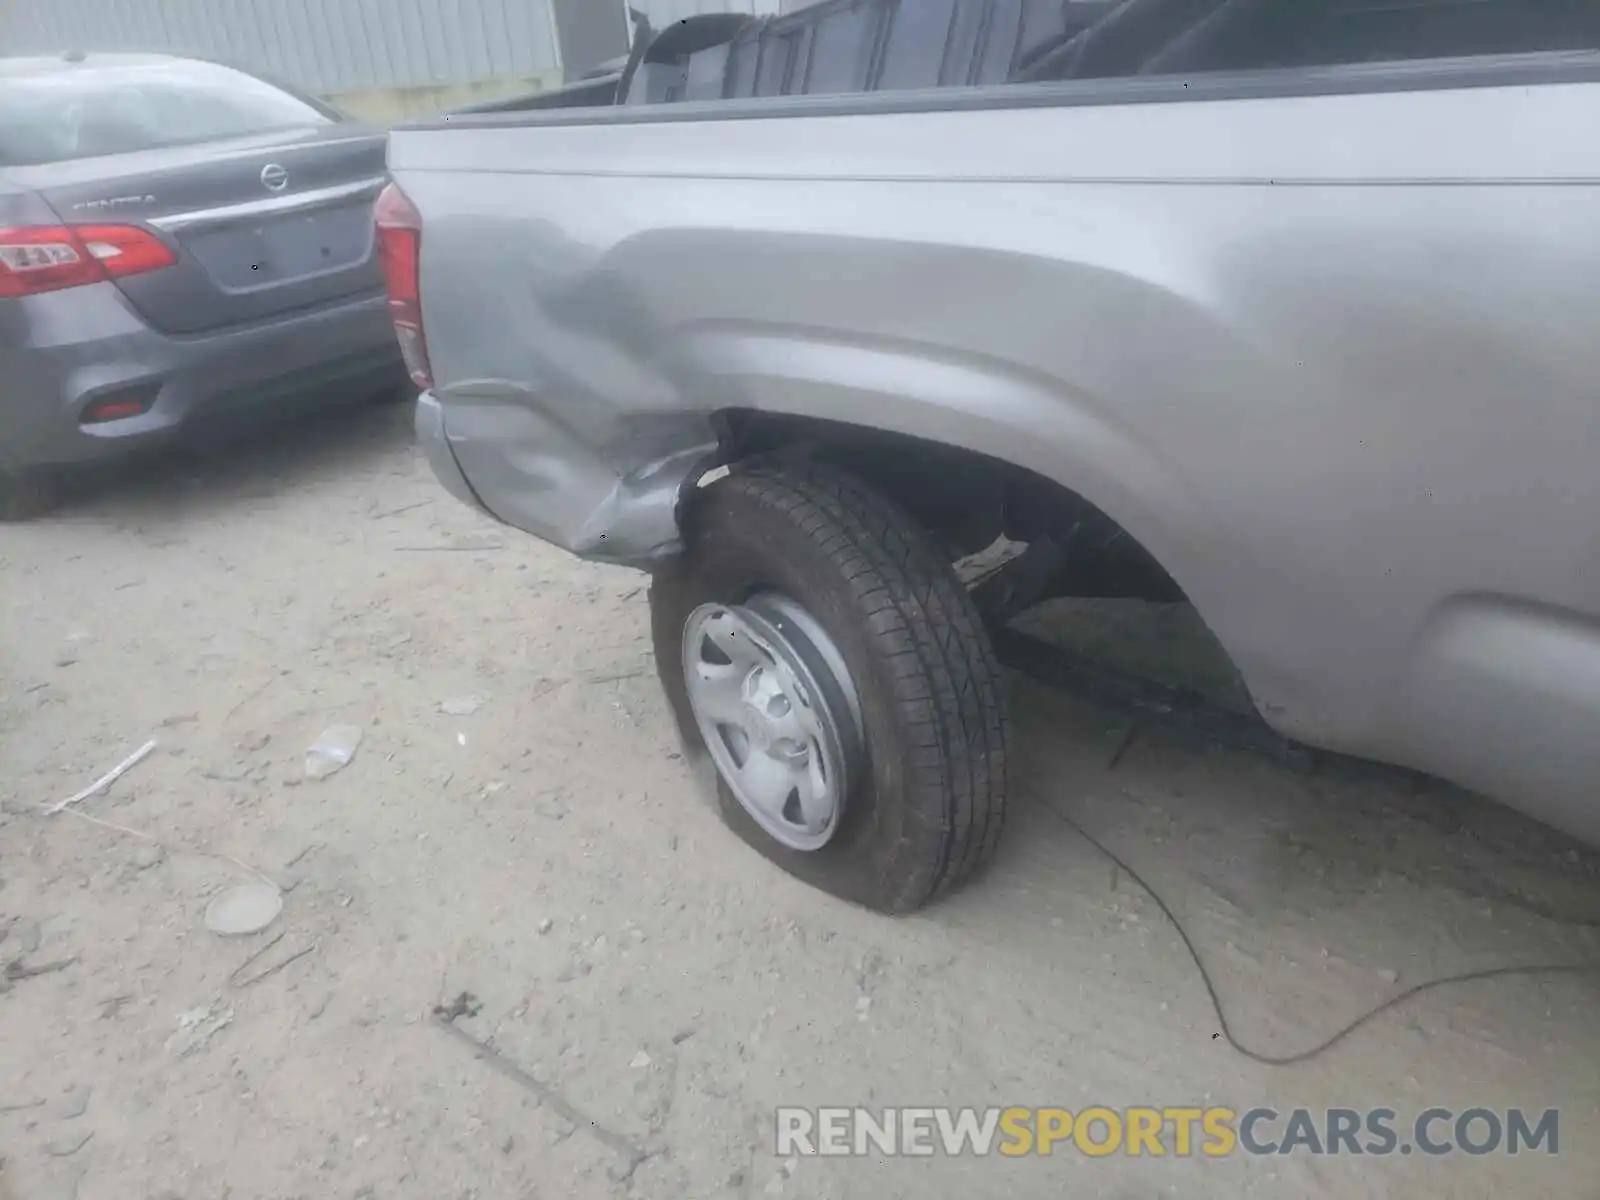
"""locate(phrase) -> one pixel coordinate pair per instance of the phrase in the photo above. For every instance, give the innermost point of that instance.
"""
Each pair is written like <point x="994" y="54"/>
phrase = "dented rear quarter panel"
<point x="1332" y="358"/>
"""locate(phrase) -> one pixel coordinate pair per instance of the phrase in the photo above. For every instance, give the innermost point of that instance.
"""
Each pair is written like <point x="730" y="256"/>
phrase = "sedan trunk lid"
<point x="261" y="225"/>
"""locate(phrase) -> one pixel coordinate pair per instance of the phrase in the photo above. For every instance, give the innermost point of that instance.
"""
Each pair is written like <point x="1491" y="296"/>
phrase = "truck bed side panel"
<point x="1331" y="358"/>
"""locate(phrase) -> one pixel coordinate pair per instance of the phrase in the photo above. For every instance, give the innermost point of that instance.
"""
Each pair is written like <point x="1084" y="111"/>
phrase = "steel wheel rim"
<point x="778" y="712"/>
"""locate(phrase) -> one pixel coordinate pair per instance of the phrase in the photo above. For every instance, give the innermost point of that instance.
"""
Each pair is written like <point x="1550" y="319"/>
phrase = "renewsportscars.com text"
<point x="1213" y="1132"/>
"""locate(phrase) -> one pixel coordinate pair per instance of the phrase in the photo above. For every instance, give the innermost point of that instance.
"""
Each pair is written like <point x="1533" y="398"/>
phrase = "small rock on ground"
<point x="74" y="1103"/>
<point x="65" y="1147"/>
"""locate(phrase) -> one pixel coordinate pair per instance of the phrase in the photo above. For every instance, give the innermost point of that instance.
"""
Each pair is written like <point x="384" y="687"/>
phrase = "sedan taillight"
<point x="47" y="258"/>
<point x="400" y="251"/>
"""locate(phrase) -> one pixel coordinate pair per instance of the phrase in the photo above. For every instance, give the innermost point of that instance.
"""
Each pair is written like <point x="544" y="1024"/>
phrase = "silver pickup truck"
<point x="1282" y="309"/>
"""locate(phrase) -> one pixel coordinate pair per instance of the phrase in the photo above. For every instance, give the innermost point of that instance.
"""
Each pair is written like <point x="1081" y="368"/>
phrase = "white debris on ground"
<point x="246" y="909"/>
<point x="333" y="751"/>
<point x="651" y="989"/>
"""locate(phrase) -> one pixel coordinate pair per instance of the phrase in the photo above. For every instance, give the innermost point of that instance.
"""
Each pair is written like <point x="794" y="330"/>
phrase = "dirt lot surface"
<point x="515" y="825"/>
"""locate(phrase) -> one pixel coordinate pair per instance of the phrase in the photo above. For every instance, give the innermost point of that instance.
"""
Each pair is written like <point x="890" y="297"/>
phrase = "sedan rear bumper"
<point x="64" y="353"/>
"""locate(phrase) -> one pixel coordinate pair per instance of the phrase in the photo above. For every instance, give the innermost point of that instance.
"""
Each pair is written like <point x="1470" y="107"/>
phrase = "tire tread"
<point x="928" y="634"/>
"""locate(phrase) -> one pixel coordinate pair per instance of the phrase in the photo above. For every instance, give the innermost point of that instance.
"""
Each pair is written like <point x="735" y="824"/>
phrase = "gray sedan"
<point x="174" y="236"/>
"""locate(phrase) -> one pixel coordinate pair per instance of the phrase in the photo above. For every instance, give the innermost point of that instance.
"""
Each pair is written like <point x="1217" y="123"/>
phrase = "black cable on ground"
<point x="1284" y="1060"/>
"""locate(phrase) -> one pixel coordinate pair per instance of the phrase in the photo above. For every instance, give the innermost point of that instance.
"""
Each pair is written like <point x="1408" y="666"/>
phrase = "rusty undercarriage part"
<point x="1185" y="714"/>
<point x="1179" y="710"/>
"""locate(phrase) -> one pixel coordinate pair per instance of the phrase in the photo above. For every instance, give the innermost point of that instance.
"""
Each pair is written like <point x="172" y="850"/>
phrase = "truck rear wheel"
<point x="816" y="647"/>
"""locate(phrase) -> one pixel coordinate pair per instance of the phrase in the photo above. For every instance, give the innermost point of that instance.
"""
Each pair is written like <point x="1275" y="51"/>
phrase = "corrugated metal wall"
<point x="326" y="46"/>
<point x="330" y="46"/>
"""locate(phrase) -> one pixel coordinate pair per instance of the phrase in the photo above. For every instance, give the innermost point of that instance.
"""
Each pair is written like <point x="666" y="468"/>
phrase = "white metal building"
<point x="387" y="57"/>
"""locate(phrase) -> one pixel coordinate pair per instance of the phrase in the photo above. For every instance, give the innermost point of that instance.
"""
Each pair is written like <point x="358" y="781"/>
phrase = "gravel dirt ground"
<point x="516" y="825"/>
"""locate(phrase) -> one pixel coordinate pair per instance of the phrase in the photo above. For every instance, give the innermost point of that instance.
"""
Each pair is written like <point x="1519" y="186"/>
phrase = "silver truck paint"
<point x="1331" y="356"/>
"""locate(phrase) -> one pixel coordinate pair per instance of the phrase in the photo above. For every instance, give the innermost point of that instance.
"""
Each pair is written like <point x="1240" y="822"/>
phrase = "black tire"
<point x="928" y="808"/>
<point x="25" y="494"/>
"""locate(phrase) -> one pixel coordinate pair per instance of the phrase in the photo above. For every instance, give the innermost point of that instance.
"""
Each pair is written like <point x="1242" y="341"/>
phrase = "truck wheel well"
<point x="967" y="500"/>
